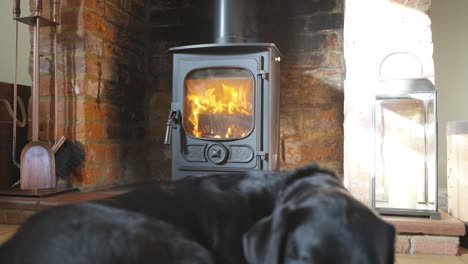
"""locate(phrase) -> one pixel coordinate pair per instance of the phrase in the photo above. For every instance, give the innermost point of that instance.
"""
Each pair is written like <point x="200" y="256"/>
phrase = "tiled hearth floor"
<point x="14" y="210"/>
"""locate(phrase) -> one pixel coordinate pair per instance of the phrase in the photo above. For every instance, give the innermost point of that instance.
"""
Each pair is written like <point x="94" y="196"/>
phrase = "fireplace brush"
<point x="16" y="14"/>
<point x="68" y="155"/>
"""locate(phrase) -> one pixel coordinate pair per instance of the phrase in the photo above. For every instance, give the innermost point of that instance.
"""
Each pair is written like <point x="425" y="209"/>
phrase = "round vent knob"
<point x="217" y="153"/>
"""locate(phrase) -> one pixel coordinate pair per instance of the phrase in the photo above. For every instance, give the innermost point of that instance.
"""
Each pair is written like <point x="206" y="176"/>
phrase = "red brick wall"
<point x="115" y="81"/>
<point x="310" y="36"/>
<point x="101" y="76"/>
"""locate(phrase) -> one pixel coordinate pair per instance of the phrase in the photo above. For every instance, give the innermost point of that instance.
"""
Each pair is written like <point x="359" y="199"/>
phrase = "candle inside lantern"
<point x="402" y="164"/>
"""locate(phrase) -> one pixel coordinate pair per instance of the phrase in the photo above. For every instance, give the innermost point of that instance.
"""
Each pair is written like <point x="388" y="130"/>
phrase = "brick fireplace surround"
<point x="115" y="81"/>
<point x="115" y="75"/>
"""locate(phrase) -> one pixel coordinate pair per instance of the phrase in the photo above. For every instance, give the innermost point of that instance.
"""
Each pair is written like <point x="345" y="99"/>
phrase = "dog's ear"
<point x="367" y="228"/>
<point x="259" y="244"/>
<point x="254" y="242"/>
<point x="385" y="234"/>
<point x="265" y="241"/>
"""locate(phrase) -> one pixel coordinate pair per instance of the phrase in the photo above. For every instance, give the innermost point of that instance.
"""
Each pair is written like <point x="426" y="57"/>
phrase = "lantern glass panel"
<point x="405" y="129"/>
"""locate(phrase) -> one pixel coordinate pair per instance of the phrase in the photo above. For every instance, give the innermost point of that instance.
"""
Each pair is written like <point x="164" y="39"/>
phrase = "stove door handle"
<point x="171" y="120"/>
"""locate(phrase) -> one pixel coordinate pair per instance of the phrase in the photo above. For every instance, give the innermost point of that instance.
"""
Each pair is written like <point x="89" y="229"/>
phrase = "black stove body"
<point x="225" y="103"/>
<point x="209" y="81"/>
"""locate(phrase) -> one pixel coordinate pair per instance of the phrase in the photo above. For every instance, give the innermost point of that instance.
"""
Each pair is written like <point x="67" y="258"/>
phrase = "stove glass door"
<point x="219" y="103"/>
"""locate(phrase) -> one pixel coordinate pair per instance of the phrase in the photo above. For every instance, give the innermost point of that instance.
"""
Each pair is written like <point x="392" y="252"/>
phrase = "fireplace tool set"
<point x="37" y="164"/>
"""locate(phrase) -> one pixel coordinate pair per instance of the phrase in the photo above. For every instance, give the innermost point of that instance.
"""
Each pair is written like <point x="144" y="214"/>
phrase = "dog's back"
<point x="91" y="233"/>
<point x="214" y="210"/>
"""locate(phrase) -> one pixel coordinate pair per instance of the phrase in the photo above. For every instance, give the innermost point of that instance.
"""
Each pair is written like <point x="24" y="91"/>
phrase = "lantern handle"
<point x="421" y="67"/>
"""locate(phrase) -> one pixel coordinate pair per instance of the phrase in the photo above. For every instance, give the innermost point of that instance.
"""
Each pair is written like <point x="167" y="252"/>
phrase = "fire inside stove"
<point x="219" y="103"/>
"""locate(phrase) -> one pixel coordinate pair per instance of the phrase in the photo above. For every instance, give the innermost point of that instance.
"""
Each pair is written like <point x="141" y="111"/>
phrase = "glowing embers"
<point x="218" y="103"/>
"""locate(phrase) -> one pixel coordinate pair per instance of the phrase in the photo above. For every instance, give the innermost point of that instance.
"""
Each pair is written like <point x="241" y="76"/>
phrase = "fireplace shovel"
<point x="38" y="165"/>
<point x="37" y="169"/>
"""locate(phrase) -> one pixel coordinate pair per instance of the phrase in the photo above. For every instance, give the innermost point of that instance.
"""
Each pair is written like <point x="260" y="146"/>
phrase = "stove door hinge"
<point x="264" y="74"/>
<point x="262" y="154"/>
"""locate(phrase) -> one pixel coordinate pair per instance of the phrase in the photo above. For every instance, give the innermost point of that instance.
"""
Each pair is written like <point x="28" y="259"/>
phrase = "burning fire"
<point x="219" y="108"/>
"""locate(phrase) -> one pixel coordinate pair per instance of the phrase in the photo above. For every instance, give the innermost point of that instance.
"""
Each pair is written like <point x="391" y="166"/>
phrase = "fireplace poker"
<point x="16" y="14"/>
<point x="55" y="20"/>
<point x="35" y="91"/>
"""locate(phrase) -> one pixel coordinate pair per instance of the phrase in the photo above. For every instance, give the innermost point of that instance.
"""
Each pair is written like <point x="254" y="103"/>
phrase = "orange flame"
<point x="214" y="102"/>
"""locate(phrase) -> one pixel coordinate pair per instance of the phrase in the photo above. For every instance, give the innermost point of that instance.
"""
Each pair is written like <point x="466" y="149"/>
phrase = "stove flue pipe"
<point x="229" y="21"/>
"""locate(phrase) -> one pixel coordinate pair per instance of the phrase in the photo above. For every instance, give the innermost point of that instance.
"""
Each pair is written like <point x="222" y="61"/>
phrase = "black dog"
<point x="91" y="233"/>
<point x="214" y="210"/>
<point x="315" y="221"/>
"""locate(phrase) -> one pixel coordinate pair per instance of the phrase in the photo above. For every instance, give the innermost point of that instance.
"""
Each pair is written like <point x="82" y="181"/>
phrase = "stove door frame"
<point x="252" y="152"/>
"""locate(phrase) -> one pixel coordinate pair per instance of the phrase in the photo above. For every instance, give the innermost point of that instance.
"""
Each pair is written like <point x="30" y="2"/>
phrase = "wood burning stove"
<point x="225" y="108"/>
<point x="225" y="104"/>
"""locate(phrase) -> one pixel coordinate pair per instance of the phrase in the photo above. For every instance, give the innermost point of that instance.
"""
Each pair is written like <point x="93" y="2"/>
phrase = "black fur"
<point x="91" y="233"/>
<point x="316" y="220"/>
<point x="203" y="220"/>
<point x="214" y="210"/>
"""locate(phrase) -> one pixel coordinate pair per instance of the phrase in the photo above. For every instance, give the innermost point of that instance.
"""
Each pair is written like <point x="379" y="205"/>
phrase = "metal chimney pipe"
<point x="229" y="21"/>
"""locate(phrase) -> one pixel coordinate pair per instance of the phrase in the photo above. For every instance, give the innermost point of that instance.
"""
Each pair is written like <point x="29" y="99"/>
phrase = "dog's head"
<point x="316" y="220"/>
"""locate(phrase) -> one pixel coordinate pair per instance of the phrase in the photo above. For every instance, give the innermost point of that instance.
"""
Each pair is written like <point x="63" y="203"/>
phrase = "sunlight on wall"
<point x="374" y="29"/>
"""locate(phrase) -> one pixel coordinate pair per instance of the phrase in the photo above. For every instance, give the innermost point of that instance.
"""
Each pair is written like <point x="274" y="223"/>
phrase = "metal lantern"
<point x="404" y="181"/>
